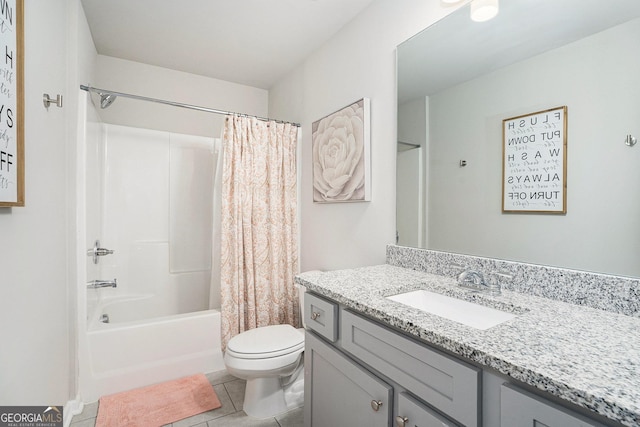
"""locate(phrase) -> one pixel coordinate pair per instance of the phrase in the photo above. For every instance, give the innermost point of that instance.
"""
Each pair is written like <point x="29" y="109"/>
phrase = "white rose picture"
<point x="341" y="155"/>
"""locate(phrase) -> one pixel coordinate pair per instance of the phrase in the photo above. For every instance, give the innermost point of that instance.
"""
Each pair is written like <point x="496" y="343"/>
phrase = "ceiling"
<point x="251" y="42"/>
<point x="455" y="49"/>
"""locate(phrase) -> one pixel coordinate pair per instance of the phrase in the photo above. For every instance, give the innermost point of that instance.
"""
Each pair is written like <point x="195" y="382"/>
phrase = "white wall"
<point x="37" y="363"/>
<point x="359" y="61"/>
<point x="156" y="82"/>
<point x="600" y="230"/>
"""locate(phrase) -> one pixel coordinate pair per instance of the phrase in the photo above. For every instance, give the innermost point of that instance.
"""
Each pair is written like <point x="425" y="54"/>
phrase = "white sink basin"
<point x="470" y="314"/>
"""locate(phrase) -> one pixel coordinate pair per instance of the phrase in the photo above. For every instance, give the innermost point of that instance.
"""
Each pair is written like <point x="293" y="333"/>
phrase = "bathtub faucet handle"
<point x="103" y="251"/>
<point x="97" y="251"/>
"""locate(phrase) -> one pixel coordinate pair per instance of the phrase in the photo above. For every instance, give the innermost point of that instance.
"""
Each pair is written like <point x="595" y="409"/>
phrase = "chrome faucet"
<point x="471" y="279"/>
<point x="95" y="284"/>
<point x="475" y="281"/>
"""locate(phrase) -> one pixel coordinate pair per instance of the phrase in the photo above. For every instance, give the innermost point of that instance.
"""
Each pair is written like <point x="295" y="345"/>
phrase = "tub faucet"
<point x="95" y="284"/>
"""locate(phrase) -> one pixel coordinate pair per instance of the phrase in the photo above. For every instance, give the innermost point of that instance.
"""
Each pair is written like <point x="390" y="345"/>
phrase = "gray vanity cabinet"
<point x="346" y="358"/>
<point x="519" y="408"/>
<point x="359" y="372"/>
<point x="339" y="392"/>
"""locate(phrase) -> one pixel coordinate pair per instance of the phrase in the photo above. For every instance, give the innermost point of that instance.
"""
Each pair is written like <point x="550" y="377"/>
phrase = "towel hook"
<point x="47" y="100"/>
<point x="630" y="140"/>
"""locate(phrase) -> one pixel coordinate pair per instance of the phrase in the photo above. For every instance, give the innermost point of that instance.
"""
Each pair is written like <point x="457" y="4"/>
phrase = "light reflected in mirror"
<point x="457" y="81"/>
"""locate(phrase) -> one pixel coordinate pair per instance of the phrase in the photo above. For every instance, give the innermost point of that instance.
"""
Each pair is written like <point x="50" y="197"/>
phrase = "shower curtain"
<point x="259" y="253"/>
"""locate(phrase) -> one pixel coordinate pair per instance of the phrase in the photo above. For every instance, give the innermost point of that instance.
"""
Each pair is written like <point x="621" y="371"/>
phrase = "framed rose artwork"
<point x="341" y="155"/>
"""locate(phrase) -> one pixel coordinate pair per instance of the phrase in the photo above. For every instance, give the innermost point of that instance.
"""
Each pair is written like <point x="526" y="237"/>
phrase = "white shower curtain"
<point x="259" y="245"/>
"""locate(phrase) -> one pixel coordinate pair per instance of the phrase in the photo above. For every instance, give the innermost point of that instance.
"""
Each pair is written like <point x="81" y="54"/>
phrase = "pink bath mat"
<point x="158" y="404"/>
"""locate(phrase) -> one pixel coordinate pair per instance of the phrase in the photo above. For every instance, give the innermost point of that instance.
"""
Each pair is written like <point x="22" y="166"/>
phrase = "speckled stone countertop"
<point x="586" y="356"/>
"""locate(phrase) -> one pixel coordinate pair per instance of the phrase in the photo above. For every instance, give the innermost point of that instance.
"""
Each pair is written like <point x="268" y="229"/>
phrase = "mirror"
<point x="459" y="79"/>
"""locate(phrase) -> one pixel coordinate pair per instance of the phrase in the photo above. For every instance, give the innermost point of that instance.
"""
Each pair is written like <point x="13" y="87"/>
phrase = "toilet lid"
<point x="267" y="341"/>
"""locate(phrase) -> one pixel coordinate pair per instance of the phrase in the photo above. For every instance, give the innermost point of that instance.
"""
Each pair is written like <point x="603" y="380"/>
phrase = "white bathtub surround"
<point x="155" y="212"/>
<point x="149" y="197"/>
<point x="259" y="225"/>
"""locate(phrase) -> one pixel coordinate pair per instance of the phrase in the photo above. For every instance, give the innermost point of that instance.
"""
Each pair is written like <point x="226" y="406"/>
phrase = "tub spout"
<point x="95" y="284"/>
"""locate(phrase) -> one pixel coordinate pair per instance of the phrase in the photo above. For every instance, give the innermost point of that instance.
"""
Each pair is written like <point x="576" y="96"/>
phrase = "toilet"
<point x="270" y="359"/>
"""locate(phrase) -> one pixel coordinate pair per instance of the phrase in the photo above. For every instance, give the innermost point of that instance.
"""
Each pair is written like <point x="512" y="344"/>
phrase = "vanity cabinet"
<point x="368" y="375"/>
<point x="519" y="408"/>
<point x="341" y="392"/>
<point x="359" y="372"/>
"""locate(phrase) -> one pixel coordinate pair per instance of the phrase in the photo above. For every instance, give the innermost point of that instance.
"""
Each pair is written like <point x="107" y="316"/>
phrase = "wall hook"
<point x="630" y="141"/>
<point x="47" y="100"/>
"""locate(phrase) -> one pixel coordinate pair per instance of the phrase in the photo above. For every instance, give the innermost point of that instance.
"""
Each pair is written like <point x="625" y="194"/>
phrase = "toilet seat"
<point x="266" y="342"/>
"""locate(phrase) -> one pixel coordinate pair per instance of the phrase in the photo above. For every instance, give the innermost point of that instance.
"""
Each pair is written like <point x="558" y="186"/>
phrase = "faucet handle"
<point x="97" y="251"/>
<point x="493" y="283"/>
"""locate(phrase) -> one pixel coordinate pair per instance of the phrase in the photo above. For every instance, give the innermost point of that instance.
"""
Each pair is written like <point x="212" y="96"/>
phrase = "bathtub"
<point x="139" y="348"/>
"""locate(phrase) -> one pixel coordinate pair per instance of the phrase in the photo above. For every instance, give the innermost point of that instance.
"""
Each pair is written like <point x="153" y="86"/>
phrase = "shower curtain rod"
<point x="102" y="92"/>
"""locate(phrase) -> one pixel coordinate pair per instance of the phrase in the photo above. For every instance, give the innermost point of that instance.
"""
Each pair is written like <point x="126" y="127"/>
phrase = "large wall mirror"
<point x="459" y="79"/>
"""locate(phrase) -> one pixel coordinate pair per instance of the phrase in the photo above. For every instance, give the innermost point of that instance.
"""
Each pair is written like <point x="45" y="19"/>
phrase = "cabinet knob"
<point x="376" y="404"/>
<point x="315" y="315"/>
<point x="401" y="421"/>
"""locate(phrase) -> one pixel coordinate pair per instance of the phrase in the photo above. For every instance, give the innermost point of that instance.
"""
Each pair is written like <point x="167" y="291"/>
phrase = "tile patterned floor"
<point x="230" y="391"/>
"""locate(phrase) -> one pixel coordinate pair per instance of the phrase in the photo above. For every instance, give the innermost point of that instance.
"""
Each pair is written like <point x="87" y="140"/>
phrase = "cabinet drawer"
<point x="321" y="316"/>
<point x="412" y="413"/>
<point x="519" y="408"/>
<point x="447" y="384"/>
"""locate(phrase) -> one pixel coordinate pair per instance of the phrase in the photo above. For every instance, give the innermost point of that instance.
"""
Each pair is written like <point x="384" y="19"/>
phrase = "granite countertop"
<point x="586" y="356"/>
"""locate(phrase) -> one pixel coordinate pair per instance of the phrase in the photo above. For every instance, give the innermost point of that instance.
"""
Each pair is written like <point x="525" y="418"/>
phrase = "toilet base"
<point x="266" y="398"/>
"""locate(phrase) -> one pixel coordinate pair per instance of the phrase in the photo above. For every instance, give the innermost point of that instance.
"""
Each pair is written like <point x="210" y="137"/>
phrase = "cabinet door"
<point x="445" y="383"/>
<point x="339" y="392"/>
<point x="412" y="413"/>
<point x="519" y="408"/>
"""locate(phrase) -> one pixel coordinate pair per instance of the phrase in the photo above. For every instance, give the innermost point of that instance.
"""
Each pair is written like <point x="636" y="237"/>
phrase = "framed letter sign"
<point x="11" y="103"/>
<point x="534" y="162"/>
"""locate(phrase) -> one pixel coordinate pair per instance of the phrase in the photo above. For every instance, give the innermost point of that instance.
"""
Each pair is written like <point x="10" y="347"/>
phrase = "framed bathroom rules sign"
<point x="11" y="103"/>
<point x="534" y="162"/>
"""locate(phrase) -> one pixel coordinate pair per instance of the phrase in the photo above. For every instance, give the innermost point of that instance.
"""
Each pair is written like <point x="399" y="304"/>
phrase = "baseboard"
<point x="71" y="408"/>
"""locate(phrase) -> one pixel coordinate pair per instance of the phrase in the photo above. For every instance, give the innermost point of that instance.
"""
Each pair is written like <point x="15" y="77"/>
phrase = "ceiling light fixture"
<point x="483" y="10"/>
